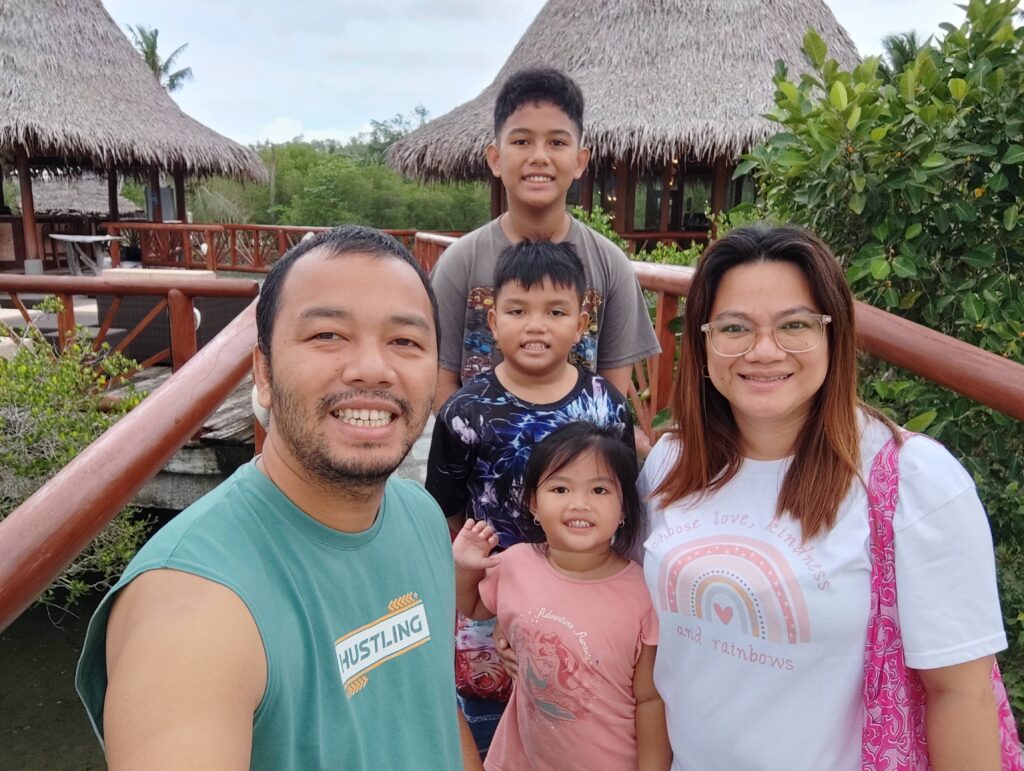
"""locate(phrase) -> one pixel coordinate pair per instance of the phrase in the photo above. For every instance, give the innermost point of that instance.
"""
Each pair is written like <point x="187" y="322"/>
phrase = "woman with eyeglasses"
<point x="759" y="559"/>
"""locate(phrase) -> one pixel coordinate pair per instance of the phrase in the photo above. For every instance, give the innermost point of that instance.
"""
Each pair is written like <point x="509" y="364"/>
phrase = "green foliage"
<point x="145" y="41"/>
<point x="916" y="180"/>
<point x="326" y="182"/>
<point x="134" y="192"/>
<point x="671" y="254"/>
<point x="52" y="406"/>
<point x="601" y="221"/>
<point x="338" y="190"/>
<point x="900" y="50"/>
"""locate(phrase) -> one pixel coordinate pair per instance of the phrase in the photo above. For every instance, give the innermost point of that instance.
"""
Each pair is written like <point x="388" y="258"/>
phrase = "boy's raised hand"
<point x="473" y="545"/>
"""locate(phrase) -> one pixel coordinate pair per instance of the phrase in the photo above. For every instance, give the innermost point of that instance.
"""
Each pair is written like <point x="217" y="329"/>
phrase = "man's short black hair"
<point x="348" y="239"/>
<point x="528" y="263"/>
<point x="539" y="86"/>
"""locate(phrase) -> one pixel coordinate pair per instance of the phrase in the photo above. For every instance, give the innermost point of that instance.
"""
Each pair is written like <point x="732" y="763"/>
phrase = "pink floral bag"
<point x="894" y="697"/>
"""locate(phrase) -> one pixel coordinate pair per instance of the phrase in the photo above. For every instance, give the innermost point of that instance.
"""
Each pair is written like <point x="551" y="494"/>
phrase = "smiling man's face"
<point x="353" y="367"/>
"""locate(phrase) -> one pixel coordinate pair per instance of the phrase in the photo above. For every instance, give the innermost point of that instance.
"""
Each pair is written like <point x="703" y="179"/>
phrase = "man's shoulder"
<point x="219" y="537"/>
<point x="407" y="492"/>
<point x="416" y="507"/>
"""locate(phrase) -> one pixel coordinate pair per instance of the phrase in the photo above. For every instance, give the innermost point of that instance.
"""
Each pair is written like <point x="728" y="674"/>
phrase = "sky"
<point x="277" y="69"/>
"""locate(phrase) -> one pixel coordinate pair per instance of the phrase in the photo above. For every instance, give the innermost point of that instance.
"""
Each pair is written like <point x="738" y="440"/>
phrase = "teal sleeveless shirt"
<point x="357" y="627"/>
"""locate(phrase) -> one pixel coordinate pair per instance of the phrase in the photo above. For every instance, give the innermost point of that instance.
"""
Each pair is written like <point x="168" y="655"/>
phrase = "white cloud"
<point x="284" y="129"/>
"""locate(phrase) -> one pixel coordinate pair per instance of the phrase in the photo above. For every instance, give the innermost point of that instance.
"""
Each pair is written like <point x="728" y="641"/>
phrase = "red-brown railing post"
<point x="183" y="327"/>
<point x="666" y="309"/>
<point x="282" y="243"/>
<point x="66" y="321"/>
<point x="211" y="250"/>
<point x="115" y="246"/>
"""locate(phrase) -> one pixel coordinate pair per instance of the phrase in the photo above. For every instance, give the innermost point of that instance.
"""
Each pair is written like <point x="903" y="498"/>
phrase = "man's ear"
<point x="261" y="376"/>
<point x="494" y="159"/>
<point x="582" y="159"/>
<point x="491" y="316"/>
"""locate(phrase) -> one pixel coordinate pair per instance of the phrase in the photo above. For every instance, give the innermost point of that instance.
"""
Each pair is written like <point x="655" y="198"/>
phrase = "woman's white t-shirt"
<point x="761" y="656"/>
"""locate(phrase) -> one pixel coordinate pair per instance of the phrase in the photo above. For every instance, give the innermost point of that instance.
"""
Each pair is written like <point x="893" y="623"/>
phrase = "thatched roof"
<point x="661" y="78"/>
<point x="79" y="196"/>
<point x="75" y="91"/>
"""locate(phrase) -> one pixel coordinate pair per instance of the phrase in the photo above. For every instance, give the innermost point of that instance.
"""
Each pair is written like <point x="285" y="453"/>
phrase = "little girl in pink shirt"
<point x="576" y="612"/>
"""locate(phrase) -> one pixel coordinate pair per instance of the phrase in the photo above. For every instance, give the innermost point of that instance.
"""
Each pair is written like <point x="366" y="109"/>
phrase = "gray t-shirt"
<point x="620" y="330"/>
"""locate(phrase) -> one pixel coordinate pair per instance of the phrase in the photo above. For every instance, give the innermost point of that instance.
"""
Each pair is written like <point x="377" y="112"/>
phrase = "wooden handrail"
<point x="977" y="374"/>
<point x="179" y="290"/>
<point x="49" y="529"/>
<point x="427" y="248"/>
<point x="46" y="532"/>
<point x="161" y="227"/>
<point x="435" y="238"/>
<point x="71" y="285"/>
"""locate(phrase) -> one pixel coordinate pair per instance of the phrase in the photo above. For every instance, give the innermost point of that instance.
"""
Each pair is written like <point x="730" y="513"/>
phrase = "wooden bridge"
<point x="50" y="528"/>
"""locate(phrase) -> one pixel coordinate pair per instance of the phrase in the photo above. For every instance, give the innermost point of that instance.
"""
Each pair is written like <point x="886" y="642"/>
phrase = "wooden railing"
<point x="177" y="296"/>
<point x="427" y="248"/>
<point x="40" y="537"/>
<point x="643" y="239"/>
<point x="49" y="529"/>
<point x="247" y="248"/>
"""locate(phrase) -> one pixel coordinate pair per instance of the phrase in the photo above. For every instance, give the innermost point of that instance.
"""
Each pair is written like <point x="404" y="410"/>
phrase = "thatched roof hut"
<point x="77" y="95"/>
<point x="662" y="79"/>
<point x="84" y="196"/>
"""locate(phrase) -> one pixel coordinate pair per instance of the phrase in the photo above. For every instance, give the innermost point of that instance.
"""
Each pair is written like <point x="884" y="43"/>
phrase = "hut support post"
<point x="719" y="185"/>
<point x="154" y="195"/>
<point x="587" y="189"/>
<point x="667" y="179"/>
<point x="621" y="195"/>
<point x="497" y="197"/>
<point x="179" y="196"/>
<point x="3" y="204"/>
<point x="28" y="212"/>
<point x="112" y="193"/>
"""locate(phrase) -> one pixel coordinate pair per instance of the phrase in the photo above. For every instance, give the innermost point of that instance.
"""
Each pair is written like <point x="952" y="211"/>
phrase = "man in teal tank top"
<point x="300" y="616"/>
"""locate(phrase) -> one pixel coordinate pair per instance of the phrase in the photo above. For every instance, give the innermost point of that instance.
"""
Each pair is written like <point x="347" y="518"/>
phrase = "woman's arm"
<point x="653" y="750"/>
<point x="470" y="550"/>
<point x="961" y="721"/>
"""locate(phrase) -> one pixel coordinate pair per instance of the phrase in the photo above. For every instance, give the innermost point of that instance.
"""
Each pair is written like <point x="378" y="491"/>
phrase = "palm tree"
<point x="145" y="40"/>
<point x="899" y="51"/>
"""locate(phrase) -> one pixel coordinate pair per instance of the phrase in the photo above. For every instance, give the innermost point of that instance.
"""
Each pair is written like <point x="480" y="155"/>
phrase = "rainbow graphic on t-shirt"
<point x="737" y="582"/>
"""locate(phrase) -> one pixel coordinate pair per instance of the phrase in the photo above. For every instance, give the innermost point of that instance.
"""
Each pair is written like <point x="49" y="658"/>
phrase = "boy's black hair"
<point x="539" y="86"/>
<point x="528" y="263"/>
<point x="560" y="448"/>
<point x="348" y="239"/>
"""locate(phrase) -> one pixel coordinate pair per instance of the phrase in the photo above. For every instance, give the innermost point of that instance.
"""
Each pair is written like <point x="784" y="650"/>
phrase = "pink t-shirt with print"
<point x="577" y="642"/>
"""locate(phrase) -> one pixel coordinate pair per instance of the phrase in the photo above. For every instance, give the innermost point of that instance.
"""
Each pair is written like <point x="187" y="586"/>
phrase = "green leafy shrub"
<point x="601" y="221"/>
<point x="51" y="406"/>
<point x="916" y="180"/>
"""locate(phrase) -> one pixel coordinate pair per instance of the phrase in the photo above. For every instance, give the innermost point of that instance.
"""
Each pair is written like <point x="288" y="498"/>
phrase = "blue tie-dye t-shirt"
<point x="484" y="435"/>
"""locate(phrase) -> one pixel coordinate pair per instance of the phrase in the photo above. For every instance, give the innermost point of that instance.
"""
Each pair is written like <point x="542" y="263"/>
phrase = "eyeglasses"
<point x="798" y="333"/>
